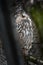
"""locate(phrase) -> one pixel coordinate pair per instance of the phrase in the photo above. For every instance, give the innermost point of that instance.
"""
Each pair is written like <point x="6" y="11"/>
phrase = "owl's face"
<point x="24" y="31"/>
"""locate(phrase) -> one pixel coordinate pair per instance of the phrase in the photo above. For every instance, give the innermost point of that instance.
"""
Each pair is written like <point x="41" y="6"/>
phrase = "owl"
<point x="25" y="29"/>
<point x="23" y="25"/>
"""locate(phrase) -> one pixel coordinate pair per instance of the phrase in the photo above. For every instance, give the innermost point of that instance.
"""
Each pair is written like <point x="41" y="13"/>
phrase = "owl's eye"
<point x="23" y="16"/>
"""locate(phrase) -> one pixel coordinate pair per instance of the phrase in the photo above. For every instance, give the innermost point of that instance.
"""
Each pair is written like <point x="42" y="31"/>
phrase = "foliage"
<point x="37" y="15"/>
